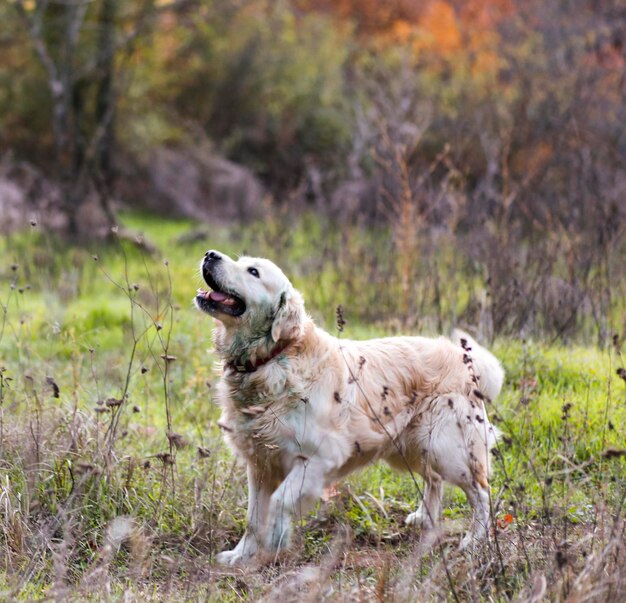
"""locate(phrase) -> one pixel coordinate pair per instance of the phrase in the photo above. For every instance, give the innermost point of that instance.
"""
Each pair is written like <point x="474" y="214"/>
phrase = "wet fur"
<point x="326" y="407"/>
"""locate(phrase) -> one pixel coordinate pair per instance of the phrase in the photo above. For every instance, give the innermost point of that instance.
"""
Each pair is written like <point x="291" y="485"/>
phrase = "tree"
<point x="81" y="45"/>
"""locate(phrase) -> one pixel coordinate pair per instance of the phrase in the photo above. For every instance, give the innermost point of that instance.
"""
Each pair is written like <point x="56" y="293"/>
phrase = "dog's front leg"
<point x="258" y="503"/>
<point x="294" y="497"/>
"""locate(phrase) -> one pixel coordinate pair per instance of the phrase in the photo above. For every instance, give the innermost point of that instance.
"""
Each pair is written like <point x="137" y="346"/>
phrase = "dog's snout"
<point x="212" y="256"/>
<point x="212" y="259"/>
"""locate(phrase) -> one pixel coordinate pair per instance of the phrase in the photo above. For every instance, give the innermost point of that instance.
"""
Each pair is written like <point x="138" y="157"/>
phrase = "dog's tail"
<point x="486" y="366"/>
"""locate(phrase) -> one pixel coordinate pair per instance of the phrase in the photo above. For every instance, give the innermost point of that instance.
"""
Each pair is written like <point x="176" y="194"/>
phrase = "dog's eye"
<point x="254" y="272"/>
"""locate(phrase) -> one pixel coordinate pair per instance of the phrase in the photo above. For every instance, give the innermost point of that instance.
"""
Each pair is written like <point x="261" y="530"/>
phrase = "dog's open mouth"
<point x="219" y="299"/>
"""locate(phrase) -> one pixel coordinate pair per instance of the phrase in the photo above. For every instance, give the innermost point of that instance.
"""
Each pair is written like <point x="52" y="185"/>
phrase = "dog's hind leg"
<point x="258" y="503"/>
<point x="478" y="497"/>
<point x="427" y="513"/>
<point x="454" y="443"/>
<point x="475" y="480"/>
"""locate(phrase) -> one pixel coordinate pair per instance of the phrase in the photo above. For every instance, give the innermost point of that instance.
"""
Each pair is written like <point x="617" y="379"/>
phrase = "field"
<point x="115" y="483"/>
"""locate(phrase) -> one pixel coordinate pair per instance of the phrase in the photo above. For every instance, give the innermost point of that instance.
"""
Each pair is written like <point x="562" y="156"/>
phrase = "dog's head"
<point x="251" y="298"/>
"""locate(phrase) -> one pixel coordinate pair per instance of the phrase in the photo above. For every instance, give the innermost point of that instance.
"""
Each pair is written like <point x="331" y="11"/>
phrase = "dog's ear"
<point x="289" y="318"/>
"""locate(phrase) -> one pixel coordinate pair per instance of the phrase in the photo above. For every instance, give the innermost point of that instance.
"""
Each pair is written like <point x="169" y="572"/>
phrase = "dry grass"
<point x="115" y="483"/>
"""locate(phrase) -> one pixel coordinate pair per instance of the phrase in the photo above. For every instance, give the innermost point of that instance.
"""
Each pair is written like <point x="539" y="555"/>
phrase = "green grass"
<point x="82" y="323"/>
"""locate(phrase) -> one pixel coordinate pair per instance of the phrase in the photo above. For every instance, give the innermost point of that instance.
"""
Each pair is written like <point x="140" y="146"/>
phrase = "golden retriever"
<point x="303" y="408"/>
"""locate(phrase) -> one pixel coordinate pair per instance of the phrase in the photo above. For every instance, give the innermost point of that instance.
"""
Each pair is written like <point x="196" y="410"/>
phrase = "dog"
<point x="304" y="409"/>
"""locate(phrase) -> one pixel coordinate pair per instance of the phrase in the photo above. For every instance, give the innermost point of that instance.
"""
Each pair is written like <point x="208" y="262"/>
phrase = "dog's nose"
<point x="212" y="256"/>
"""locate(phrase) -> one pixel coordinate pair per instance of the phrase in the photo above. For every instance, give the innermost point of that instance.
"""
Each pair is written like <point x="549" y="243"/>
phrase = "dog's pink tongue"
<point x="218" y="296"/>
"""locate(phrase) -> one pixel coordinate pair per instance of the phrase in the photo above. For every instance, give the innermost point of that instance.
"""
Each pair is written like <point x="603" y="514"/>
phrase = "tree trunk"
<point x="104" y="173"/>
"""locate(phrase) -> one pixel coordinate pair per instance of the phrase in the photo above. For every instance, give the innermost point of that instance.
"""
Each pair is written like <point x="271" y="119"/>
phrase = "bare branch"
<point x="34" y="24"/>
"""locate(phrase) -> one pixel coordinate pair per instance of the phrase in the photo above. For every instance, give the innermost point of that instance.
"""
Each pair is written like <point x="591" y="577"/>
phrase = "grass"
<point x="115" y="482"/>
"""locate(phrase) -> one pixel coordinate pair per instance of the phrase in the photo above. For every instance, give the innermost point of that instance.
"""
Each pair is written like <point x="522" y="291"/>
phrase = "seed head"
<point x="341" y="321"/>
<point x="177" y="440"/>
<point x="165" y="457"/>
<point x="203" y="453"/>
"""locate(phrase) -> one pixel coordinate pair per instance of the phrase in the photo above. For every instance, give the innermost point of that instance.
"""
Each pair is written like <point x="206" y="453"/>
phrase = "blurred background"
<point x="424" y="164"/>
<point x="476" y="138"/>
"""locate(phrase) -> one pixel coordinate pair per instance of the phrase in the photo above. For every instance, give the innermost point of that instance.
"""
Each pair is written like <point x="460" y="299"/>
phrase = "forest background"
<point x="424" y="165"/>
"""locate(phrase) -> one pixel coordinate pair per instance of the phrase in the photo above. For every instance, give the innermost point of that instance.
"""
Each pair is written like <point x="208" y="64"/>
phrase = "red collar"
<point x="250" y="367"/>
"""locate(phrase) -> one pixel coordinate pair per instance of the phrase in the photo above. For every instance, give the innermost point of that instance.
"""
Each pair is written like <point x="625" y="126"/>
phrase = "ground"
<point x="116" y="483"/>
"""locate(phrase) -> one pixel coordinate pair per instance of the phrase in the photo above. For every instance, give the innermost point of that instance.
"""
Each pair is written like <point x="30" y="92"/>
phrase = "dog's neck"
<point x="244" y="352"/>
<point x="239" y="365"/>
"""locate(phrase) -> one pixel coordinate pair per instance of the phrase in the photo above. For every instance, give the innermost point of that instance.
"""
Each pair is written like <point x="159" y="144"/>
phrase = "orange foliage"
<point x="402" y="31"/>
<point x="484" y="14"/>
<point x="529" y="160"/>
<point x="439" y="28"/>
<point x="370" y="16"/>
<point x="383" y="16"/>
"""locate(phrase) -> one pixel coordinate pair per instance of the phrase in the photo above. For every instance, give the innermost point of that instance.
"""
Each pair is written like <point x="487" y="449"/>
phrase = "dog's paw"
<point x="472" y="540"/>
<point x="233" y="557"/>
<point x="468" y="542"/>
<point x="416" y="518"/>
<point x="241" y="554"/>
<point x="228" y="558"/>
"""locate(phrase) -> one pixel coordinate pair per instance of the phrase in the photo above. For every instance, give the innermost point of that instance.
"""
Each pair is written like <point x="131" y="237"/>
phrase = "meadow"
<point x="115" y="483"/>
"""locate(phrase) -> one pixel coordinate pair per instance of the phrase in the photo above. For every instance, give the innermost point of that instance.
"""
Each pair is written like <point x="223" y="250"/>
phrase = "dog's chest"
<point x="264" y="423"/>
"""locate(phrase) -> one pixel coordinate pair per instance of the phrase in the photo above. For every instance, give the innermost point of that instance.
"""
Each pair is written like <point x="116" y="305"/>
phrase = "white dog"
<point x="304" y="409"/>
